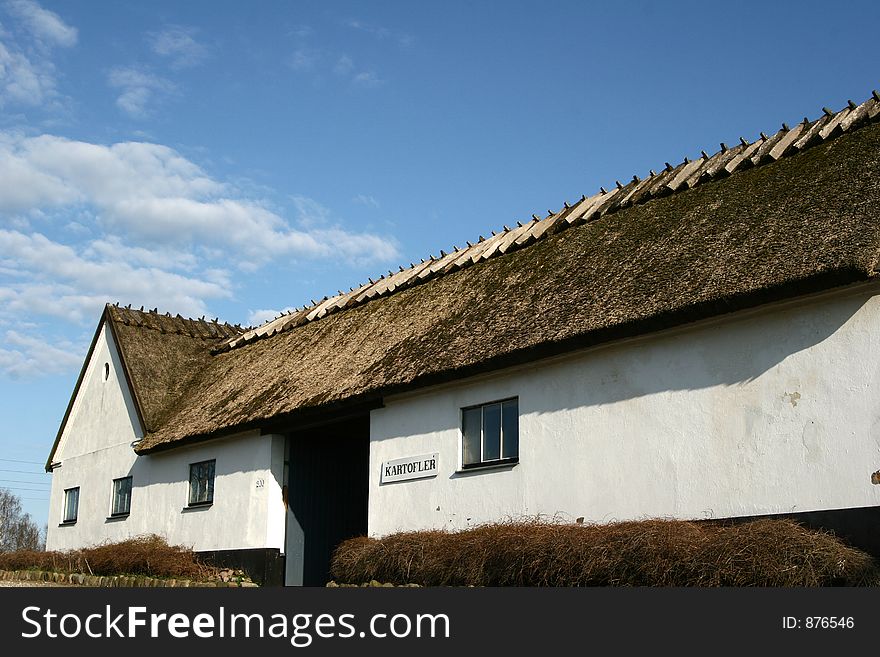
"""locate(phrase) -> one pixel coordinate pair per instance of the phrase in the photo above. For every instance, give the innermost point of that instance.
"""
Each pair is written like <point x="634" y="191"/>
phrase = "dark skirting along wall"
<point x="858" y="527"/>
<point x="265" y="566"/>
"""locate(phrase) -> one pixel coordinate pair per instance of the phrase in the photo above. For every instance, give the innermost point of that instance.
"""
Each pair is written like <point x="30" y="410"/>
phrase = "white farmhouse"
<point x="700" y="343"/>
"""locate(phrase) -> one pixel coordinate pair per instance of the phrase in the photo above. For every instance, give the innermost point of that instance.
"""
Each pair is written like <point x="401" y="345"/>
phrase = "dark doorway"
<point x="327" y="482"/>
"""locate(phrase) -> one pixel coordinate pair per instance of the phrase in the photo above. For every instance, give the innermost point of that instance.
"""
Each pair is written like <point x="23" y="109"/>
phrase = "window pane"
<point x="122" y="495"/>
<point x="209" y="483"/>
<point x="470" y="430"/>
<point x="71" y="504"/>
<point x="510" y="429"/>
<point x="201" y="482"/>
<point x="193" y="484"/>
<point x="491" y="432"/>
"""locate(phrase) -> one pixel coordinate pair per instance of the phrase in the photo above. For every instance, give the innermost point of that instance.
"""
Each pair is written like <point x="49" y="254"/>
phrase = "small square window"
<point x="121" y="497"/>
<point x="71" y="504"/>
<point x="201" y="483"/>
<point x="490" y="434"/>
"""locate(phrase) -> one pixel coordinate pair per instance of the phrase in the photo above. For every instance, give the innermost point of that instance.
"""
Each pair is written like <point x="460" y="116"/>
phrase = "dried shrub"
<point x="149" y="555"/>
<point x="636" y="553"/>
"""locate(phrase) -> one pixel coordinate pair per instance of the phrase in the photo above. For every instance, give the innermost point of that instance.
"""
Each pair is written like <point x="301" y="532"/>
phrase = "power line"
<point x="17" y="461"/>
<point x="21" y="481"/>
<point x="24" y="472"/>
<point x="41" y="490"/>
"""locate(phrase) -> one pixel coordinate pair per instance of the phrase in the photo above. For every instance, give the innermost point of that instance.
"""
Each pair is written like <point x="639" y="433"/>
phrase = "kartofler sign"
<point x="410" y="467"/>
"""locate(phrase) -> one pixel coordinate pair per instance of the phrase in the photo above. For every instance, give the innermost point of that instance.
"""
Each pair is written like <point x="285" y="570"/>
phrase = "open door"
<point x="327" y="482"/>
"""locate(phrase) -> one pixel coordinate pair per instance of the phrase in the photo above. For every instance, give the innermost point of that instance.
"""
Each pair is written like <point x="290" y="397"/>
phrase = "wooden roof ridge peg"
<point x="653" y="186"/>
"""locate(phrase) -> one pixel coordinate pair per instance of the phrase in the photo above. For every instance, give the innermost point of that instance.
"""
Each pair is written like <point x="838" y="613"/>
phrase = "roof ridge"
<point x="786" y="142"/>
<point x="177" y="324"/>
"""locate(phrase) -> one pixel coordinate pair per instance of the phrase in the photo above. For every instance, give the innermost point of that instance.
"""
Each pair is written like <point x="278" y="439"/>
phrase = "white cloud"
<point x="179" y="44"/>
<point x="138" y="89"/>
<point x="27" y="73"/>
<point x="112" y="249"/>
<point x="26" y="186"/>
<point x="302" y="31"/>
<point x="344" y="65"/>
<point x="365" y="199"/>
<point x="25" y="80"/>
<point x="376" y="30"/>
<point x="310" y="213"/>
<point x="152" y="194"/>
<point x="31" y="355"/>
<point x="257" y="317"/>
<point x="21" y="81"/>
<point x="74" y="284"/>
<point x="380" y="32"/>
<point x="45" y="26"/>
<point x="304" y="59"/>
<point x="84" y="224"/>
<point x="366" y="79"/>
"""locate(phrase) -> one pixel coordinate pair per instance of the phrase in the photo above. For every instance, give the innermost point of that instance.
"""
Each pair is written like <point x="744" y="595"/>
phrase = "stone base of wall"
<point x="80" y="579"/>
<point x="372" y="584"/>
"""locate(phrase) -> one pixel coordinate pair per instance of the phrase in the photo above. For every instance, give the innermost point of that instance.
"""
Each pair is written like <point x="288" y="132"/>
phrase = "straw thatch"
<point x="163" y="355"/>
<point x="798" y="215"/>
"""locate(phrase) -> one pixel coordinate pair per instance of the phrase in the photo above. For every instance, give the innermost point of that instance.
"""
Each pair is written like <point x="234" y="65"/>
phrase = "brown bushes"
<point x="144" y="555"/>
<point x="638" y="553"/>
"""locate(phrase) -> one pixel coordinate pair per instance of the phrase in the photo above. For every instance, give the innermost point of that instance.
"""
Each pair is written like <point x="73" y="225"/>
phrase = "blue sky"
<point x="235" y="159"/>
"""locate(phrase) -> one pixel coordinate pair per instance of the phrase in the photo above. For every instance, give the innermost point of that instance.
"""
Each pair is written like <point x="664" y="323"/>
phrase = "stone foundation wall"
<point x="80" y="579"/>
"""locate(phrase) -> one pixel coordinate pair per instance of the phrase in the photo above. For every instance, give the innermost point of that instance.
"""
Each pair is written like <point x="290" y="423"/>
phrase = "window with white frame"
<point x="201" y="483"/>
<point x="121" y="497"/>
<point x="71" y="504"/>
<point x="490" y="434"/>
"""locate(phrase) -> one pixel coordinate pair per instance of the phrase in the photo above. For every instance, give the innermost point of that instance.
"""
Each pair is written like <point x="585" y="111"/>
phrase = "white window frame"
<point x="114" y="511"/>
<point x="483" y="461"/>
<point x="65" y="515"/>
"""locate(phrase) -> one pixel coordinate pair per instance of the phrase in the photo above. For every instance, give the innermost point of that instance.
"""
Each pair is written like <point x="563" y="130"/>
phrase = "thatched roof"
<point x="161" y="355"/>
<point x="686" y="175"/>
<point x="792" y="213"/>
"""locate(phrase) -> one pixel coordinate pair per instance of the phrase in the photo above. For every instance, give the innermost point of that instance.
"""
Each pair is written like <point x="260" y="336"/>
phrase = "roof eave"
<point x="372" y="399"/>
<point x="302" y="418"/>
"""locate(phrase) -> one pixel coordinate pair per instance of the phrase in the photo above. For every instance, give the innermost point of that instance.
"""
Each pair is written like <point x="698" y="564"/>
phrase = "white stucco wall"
<point x="96" y="447"/>
<point x="776" y="410"/>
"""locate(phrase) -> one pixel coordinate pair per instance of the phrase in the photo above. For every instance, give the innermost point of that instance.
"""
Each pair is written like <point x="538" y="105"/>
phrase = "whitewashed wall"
<point x="761" y="412"/>
<point x="96" y="447"/>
